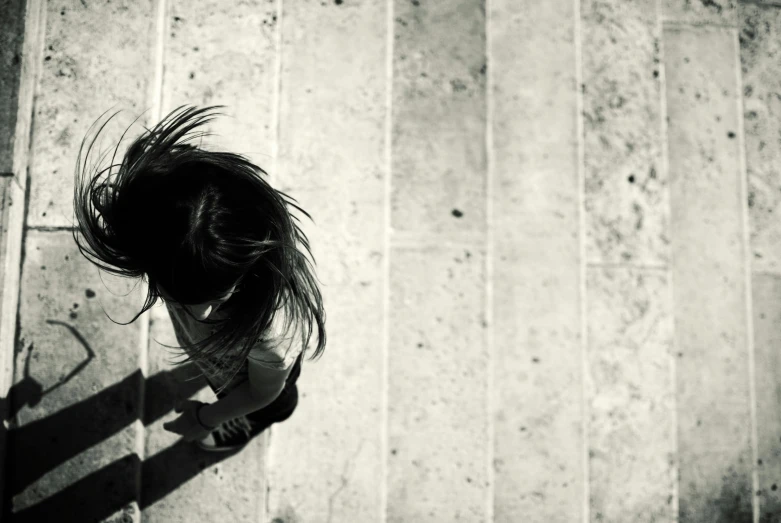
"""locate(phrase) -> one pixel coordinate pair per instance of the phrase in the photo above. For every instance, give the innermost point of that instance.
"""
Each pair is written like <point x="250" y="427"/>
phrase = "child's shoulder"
<point x="277" y="348"/>
<point x="274" y="354"/>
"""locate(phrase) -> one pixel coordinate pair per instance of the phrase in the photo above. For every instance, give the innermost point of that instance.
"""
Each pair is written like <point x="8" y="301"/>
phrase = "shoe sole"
<point x="219" y="449"/>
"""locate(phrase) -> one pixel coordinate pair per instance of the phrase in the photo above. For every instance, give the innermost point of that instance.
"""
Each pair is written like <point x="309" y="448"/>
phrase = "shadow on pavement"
<point x="42" y="445"/>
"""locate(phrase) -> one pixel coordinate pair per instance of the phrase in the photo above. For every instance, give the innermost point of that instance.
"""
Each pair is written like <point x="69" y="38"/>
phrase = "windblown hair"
<point x="198" y="222"/>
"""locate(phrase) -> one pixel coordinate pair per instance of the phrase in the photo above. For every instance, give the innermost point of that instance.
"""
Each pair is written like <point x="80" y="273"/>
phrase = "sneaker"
<point x="236" y="433"/>
<point x="230" y="435"/>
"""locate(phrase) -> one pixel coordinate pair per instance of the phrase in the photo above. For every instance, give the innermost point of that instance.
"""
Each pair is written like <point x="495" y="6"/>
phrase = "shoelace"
<point x="234" y="426"/>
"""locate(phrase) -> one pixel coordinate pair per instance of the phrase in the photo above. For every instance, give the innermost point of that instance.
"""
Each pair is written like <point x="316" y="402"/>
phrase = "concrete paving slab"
<point x="327" y="463"/>
<point x="11" y="48"/>
<point x="98" y="56"/>
<point x="77" y="390"/>
<point x="11" y="223"/>
<point x="439" y="158"/>
<point x="438" y="386"/>
<point x="23" y="37"/>
<point x="626" y="194"/>
<point x="537" y="348"/>
<point x="760" y="58"/>
<point x="766" y="293"/>
<point x="709" y="257"/>
<point x="631" y="395"/>
<point x="225" y="53"/>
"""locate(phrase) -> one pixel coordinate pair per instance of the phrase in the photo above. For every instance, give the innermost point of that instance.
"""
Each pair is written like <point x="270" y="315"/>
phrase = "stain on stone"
<point x="48" y="57"/>
<point x="616" y="101"/>
<point x="731" y="503"/>
<point x="536" y="360"/>
<point x="73" y="315"/>
<point x="457" y="85"/>
<point x="730" y="135"/>
<point x="656" y="73"/>
<point x="748" y="90"/>
<point x="90" y="293"/>
<point x="75" y="305"/>
<point x="639" y="212"/>
<point x="415" y="2"/>
<point x="631" y="178"/>
<point x="43" y="267"/>
<point x="338" y="2"/>
<point x="751" y="115"/>
<point x="192" y="75"/>
<point x="457" y="213"/>
<point x="711" y="3"/>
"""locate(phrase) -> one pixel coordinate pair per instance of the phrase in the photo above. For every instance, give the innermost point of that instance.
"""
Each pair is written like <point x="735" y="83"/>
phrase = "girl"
<point x="218" y="245"/>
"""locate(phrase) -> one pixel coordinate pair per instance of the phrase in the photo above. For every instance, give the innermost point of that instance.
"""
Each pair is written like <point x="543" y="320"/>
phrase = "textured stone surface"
<point x="326" y="462"/>
<point x="438" y="154"/>
<point x="626" y="194"/>
<point x="766" y="293"/>
<point x="708" y="266"/>
<point x="11" y="42"/>
<point x="179" y="481"/>
<point x="537" y="389"/>
<point x="11" y="218"/>
<point x="98" y="57"/>
<point x="437" y="372"/>
<point x="630" y="395"/>
<point x="224" y="53"/>
<point x="714" y="12"/>
<point x="77" y="388"/>
<point x="760" y="56"/>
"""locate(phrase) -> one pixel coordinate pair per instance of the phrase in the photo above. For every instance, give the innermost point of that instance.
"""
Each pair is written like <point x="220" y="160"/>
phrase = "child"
<point x="218" y="245"/>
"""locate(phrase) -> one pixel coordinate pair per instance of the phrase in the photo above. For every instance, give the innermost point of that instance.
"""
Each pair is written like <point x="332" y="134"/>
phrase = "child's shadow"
<point x="42" y="445"/>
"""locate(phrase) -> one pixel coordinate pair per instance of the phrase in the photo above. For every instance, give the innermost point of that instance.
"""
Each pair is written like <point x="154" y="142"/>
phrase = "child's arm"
<point x="262" y="388"/>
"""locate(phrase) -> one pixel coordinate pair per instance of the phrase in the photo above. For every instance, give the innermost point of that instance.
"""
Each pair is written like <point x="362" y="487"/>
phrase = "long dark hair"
<point x="198" y="222"/>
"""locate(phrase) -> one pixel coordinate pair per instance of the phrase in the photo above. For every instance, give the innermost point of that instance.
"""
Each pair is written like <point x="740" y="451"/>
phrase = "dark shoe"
<point x="236" y="433"/>
<point x="230" y="435"/>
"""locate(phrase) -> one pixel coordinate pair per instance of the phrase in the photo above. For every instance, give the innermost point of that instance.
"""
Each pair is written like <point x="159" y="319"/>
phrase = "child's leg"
<point x="282" y="407"/>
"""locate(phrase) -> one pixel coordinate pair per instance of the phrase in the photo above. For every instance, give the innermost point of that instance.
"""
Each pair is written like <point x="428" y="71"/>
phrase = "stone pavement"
<point x="546" y="233"/>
